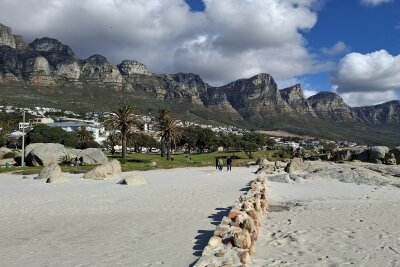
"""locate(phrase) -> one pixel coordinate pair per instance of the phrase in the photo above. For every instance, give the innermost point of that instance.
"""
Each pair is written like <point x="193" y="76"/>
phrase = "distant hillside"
<point x="48" y="73"/>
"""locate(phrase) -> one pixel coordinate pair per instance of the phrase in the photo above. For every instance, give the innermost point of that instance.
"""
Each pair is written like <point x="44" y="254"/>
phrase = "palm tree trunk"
<point x="162" y="148"/>
<point x="123" y="135"/>
<point x="168" y="150"/>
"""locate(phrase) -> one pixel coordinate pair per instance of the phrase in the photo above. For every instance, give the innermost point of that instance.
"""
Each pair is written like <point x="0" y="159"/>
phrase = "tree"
<point x="159" y="121"/>
<point x="169" y="130"/>
<point x="4" y="132"/>
<point x="113" y="139"/>
<point x="124" y="120"/>
<point x="250" y="143"/>
<point x="84" y="135"/>
<point x="206" y="140"/>
<point x="42" y="133"/>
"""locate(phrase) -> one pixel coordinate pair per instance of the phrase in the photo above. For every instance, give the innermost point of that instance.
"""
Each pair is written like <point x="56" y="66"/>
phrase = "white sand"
<point x="101" y="223"/>
<point x="333" y="224"/>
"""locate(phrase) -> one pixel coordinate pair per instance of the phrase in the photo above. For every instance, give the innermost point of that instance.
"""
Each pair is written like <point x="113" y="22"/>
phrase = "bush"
<point x="87" y="144"/>
<point x="42" y="133"/>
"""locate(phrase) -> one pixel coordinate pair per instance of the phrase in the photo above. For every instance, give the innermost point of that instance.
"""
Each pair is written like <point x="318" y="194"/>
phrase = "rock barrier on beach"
<point x="234" y="239"/>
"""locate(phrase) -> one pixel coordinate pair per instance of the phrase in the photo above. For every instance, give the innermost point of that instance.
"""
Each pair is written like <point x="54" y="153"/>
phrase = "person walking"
<point x="216" y="163"/>
<point x="229" y="164"/>
<point x="220" y="164"/>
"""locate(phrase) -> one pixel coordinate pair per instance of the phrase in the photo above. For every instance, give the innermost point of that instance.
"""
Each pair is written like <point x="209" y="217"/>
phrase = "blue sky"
<point x="351" y="47"/>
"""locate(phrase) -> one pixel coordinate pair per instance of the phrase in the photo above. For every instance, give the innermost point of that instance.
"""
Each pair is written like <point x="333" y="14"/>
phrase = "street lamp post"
<point x="23" y="140"/>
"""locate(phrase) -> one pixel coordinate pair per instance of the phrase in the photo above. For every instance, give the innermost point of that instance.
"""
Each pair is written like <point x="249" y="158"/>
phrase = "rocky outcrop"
<point x="130" y="68"/>
<point x="6" y="36"/>
<point x="377" y="154"/>
<point x="54" y="51"/>
<point x="330" y="106"/>
<point x="294" y="97"/>
<point x="108" y="170"/>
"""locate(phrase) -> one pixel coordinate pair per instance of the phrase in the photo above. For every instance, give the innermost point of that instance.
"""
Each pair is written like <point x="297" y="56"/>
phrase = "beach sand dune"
<point x="166" y="222"/>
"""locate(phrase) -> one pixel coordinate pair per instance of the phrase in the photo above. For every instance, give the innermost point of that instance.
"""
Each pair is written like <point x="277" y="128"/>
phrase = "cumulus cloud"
<point x="374" y="2"/>
<point x="358" y="99"/>
<point x="229" y="40"/>
<point x="374" y="72"/>
<point x="337" y="49"/>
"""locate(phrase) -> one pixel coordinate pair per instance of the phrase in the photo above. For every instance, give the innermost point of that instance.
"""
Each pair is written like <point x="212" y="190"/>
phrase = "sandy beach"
<point x="101" y="223"/>
<point x="330" y="223"/>
<point x="314" y="221"/>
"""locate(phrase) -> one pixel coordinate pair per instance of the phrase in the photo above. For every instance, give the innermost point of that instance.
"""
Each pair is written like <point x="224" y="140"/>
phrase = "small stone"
<point x="245" y="257"/>
<point x="215" y="241"/>
<point x="133" y="180"/>
<point x="253" y="214"/>
<point x="242" y="240"/>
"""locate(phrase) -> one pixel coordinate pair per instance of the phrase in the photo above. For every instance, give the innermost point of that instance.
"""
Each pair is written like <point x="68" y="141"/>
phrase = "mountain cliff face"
<point x="330" y="106"/>
<point x="294" y="97"/>
<point x="49" y="64"/>
<point x="388" y="112"/>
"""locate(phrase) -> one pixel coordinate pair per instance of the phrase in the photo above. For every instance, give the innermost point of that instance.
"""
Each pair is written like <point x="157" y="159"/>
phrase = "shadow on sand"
<point x="204" y="235"/>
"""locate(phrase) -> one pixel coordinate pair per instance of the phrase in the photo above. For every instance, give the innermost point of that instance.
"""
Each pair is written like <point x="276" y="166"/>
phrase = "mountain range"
<point x="46" y="71"/>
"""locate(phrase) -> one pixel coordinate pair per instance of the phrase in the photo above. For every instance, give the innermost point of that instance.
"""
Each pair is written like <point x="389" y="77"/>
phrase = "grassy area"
<point x="140" y="162"/>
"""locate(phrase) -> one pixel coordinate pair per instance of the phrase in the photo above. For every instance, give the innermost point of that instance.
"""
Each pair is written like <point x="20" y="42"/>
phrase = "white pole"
<point x="23" y="140"/>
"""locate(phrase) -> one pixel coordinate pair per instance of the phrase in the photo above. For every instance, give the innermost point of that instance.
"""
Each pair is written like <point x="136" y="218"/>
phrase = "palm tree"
<point x="84" y="135"/>
<point x="124" y="120"/>
<point x="159" y="121"/>
<point x="169" y="130"/>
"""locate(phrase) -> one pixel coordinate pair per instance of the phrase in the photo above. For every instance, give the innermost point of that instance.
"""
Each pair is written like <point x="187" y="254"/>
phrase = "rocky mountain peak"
<point x="6" y="36"/>
<point x="190" y="79"/>
<point x="53" y="50"/>
<point x="131" y="67"/>
<point x="328" y="105"/>
<point x="294" y="97"/>
<point x="97" y="60"/>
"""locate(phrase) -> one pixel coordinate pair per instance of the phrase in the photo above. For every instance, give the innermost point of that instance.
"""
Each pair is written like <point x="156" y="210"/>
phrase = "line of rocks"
<point x="234" y="239"/>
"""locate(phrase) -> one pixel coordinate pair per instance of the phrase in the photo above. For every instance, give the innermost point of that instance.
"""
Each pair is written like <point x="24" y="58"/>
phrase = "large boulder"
<point x="390" y="159"/>
<point x="52" y="174"/>
<point x="4" y="151"/>
<point x="377" y="154"/>
<point x="359" y="153"/>
<point x="107" y="170"/>
<point x="43" y="154"/>
<point x="133" y="180"/>
<point x="296" y="165"/>
<point x="72" y="153"/>
<point x="341" y="154"/>
<point x="396" y="152"/>
<point x="92" y="156"/>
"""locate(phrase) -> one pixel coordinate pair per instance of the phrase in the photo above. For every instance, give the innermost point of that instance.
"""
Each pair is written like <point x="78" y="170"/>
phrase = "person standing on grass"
<point x="229" y="164"/>
<point x="216" y="163"/>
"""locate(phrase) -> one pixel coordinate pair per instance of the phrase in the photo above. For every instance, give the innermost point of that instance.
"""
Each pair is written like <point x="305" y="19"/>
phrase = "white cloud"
<point x="358" y="99"/>
<point x="230" y="40"/>
<point x="337" y="49"/>
<point x="374" y="72"/>
<point x="308" y="93"/>
<point x="374" y="2"/>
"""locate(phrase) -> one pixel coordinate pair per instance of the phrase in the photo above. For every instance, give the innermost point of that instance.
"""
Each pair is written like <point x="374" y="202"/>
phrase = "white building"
<point x="73" y="125"/>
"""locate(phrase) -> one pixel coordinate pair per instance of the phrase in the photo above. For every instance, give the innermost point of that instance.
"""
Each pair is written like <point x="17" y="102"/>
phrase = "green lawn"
<point x="141" y="162"/>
